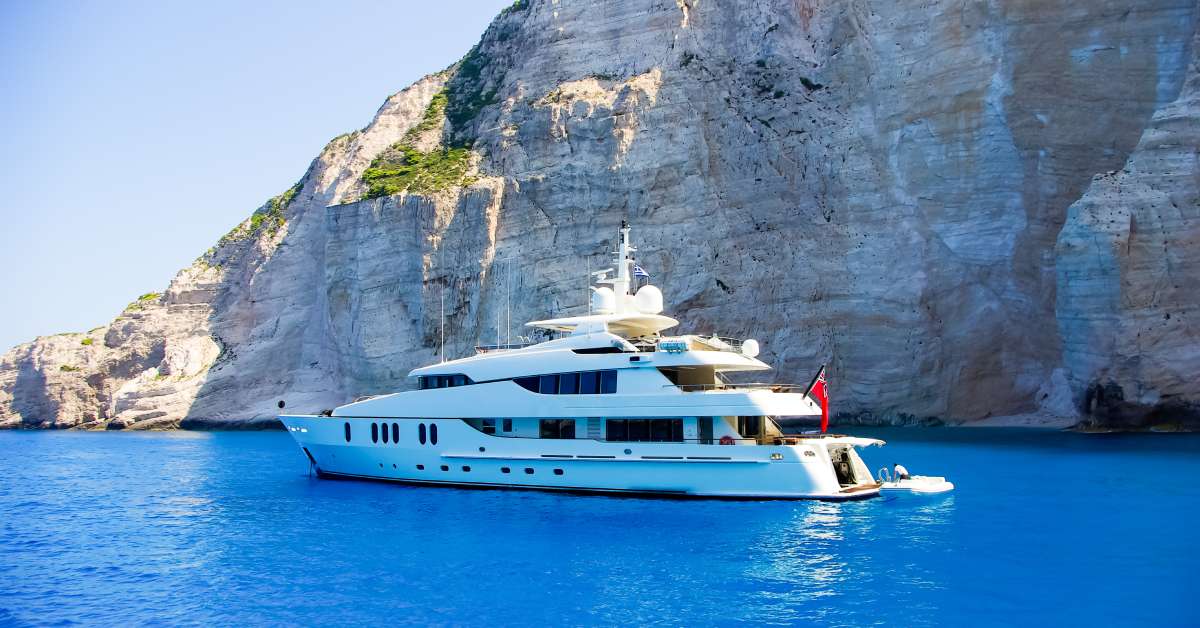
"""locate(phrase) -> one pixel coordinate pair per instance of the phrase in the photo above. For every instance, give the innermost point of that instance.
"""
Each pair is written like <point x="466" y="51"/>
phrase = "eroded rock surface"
<point x="882" y="186"/>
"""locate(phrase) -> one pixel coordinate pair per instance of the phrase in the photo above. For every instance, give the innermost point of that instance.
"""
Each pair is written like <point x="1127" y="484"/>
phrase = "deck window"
<point x="557" y="428"/>
<point x="528" y="383"/>
<point x="507" y="425"/>
<point x="395" y="432"/>
<point x="433" y="433"/>
<point x="488" y="426"/>
<point x="568" y="383"/>
<point x="374" y="433"/>
<point x="618" y="430"/>
<point x="421" y="433"/>
<point x="385" y="431"/>
<point x="589" y="383"/>
<point x="749" y="426"/>
<point x="645" y="430"/>
<point x="347" y="430"/>
<point x="548" y="385"/>
<point x="608" y="382"/>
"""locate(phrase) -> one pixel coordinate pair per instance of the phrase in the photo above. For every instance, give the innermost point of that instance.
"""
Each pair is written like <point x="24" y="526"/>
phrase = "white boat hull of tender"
<point x="464" y="456"/>
<point x="918" y="484"/>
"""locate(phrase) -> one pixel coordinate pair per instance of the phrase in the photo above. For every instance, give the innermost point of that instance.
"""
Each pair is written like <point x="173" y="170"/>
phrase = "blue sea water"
<point x="187" y="528"/>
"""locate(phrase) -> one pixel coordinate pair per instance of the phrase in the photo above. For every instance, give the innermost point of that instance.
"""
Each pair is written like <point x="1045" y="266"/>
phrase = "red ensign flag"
<point x="818" y="392"/>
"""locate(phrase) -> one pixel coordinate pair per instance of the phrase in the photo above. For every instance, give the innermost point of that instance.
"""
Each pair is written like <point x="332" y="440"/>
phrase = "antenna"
<point x="442" y="331"/>
<point x="508" y="306"/>
<point x="442" y="311"/>
<point x="587" y="286"/>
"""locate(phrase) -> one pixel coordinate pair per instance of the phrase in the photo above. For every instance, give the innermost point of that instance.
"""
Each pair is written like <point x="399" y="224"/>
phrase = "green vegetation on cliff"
<point x="404" y="168"/>
<point x="266" y="220"/>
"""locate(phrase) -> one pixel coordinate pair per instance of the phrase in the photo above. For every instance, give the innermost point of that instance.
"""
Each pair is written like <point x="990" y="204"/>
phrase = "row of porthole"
<point x="467" y="469"/>
<point x="381" y="429"/>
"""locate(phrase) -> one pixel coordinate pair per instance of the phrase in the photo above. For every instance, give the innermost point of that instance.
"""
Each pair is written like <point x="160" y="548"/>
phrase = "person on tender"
<point x="900" y="472"/>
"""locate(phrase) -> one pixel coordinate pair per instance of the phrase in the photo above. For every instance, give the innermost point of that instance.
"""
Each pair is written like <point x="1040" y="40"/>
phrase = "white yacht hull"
<point x="464" y="456"/>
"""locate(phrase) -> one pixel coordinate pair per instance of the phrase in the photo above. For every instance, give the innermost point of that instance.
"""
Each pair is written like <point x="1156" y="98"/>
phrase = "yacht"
<point x="610" y="403"/>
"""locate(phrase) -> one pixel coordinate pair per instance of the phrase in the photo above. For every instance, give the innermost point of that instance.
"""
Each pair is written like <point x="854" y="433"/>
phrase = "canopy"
<point x="628" y="325"/>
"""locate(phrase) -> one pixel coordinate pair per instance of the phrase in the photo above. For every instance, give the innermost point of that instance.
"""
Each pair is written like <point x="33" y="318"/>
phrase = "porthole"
<point x="466" y="469"/>
<point x="445" y="467"/>
<point x="628" y="451"/>
<point x="433" y="433"/>
<point x="393" y="465"/>
<point x="558" y="472"/>
<point x="385" y="432"/>
<point x="528" y="470"/>
<point x="374" y="433"/>
<point x="347" y="430"/>
<point x="505" y="470"/>
<point x="482" y="449"/>
<point x="395" y="432"/>
<point x="421" y="433"/>
<point x="420" y="467"/>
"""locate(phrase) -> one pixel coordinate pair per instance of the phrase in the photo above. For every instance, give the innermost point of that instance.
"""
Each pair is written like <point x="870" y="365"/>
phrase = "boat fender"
<point x="726" y="440"/>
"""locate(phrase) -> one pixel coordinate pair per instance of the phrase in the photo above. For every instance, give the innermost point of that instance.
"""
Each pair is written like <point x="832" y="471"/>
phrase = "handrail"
<point x="503" y="347"/>
<point x="790" y="388"/>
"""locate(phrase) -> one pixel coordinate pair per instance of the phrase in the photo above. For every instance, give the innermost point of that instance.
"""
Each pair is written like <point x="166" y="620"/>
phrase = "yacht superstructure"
<point x="612" y="405"/>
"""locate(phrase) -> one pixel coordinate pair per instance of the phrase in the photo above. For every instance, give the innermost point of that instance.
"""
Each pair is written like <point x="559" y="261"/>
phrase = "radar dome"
<point x="648" y="300"/>
<point x="750" y="348"/>
<point x="604" y="300"/>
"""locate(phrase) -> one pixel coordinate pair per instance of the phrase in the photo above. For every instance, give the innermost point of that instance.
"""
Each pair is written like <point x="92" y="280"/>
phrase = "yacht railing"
<point x="503" y="347"/>
<point x="779" y="388"/>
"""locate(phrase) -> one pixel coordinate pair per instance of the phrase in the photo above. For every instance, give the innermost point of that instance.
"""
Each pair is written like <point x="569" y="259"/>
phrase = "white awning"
<point x="628" y="325"/>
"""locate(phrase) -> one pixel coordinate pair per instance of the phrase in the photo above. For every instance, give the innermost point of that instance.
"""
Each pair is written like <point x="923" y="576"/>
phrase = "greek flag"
<point x="639" y="272"/>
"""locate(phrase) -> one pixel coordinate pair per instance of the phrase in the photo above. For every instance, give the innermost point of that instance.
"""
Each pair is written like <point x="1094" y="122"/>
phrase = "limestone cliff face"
<point x="902" y="190"/>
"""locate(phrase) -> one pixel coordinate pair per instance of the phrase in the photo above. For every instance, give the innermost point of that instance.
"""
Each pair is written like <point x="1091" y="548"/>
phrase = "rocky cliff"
<point x="969" y="209"/>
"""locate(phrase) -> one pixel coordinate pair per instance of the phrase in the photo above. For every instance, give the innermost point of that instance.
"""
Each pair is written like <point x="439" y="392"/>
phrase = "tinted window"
<point x="423" y="382"/>
<point x="384" y="428"/>
<point x="489" y="426"/>
<point x="589" y="383"/>
<point x="504" y="469"/>
<point x="660" y="431"/>
<point x="507" y="425"/>
<point x="608" y="382"/>
<point x="749" y="426"/>
<point x="557" y="428"/>
<point x="639" y="430"/>
<point x="548" y="384"/>
<point x="528" y="383"/>
<point x="395" y="432"/>
<point x="433" y="433"/>
<point x="558" y="472"/>
<point x="347" y="432"/>
<point x="421" y="433"/>
<point x="374" y="433"/>
<point x="459" y="380"/>
<point x="568" y="383"/>
<point x="618" y="430"/>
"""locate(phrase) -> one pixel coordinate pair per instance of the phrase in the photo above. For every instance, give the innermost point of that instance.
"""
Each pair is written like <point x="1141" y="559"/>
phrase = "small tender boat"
<point x="919" y="484"/>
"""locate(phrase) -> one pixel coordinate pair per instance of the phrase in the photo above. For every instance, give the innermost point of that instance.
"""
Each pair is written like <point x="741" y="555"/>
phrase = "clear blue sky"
<point x="135" y="134"/>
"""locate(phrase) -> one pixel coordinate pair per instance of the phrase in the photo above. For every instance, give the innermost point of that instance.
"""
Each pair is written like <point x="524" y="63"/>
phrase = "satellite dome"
<point x="604" y="300"/>
<point x="750" y="348"/>
<point x="648" y="300"/>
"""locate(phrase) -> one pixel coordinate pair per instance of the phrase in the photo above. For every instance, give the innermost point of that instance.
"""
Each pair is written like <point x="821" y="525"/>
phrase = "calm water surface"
<point x="99" y="528"/>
